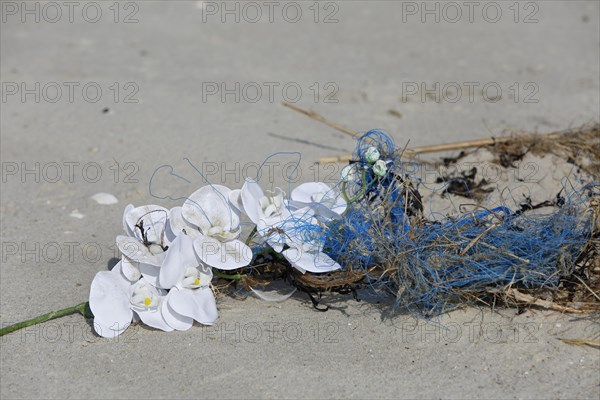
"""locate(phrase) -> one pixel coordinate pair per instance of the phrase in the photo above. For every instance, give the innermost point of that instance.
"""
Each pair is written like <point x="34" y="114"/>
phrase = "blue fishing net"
<point x="431" y="264"/>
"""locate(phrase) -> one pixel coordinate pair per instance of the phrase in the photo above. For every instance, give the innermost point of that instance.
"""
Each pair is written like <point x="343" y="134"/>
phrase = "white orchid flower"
<point x="324" y="200"/>
<point x="305" y="252"/>
<point x="267" y="210"/>
<point x="114" y="299"/>
<point x="264" y="209"/>
<point x="190" y="297"/>
<point x="146" y="241"/>
<point x="217" y="226"/>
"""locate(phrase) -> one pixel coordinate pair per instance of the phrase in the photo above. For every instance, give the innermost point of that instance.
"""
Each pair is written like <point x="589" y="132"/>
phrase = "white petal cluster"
<point x="164" y="276"/>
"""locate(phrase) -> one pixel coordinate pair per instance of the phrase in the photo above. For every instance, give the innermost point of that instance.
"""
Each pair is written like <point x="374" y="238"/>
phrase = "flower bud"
<point x="372" y="154"/>
<point x="380" y="168"/>
<point x="348" y="173"/>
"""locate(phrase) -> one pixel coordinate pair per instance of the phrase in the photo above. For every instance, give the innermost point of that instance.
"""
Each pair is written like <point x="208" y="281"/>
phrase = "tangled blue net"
<point x="433" y="265"/>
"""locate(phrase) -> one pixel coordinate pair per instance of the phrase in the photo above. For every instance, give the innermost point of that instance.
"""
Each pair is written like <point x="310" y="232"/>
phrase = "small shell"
<point x="76" y="214"/>
<point x="104" y="198"/>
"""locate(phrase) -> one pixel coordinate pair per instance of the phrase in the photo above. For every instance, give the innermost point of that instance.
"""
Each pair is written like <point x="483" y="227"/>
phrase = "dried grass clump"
<point x="580" y="146"/>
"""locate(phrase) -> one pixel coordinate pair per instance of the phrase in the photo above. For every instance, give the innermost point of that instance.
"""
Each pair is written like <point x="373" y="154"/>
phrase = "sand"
<point x="162" y="100"/>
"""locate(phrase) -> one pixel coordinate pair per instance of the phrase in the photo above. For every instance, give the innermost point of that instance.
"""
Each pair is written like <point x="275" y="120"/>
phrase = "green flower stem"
<point x="362" y="191"/>
<point x="251" y="235"/>
<point x="344" y="194"/>
<point x="233" y="277"/>
<point x="82" y="309"/>
<point x="271" y="252"/>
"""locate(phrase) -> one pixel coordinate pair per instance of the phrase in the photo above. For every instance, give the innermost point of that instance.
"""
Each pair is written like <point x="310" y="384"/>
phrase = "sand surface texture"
<point x="96" y="107"/>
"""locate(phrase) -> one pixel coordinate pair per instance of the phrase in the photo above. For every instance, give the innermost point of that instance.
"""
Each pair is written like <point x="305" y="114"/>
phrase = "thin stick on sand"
<point x="320" y="118"/>
<point x="412" y="152"/>
<point x="525" y="298"/>
<point x="587" y="287"/>
<point x="582" y="342"/>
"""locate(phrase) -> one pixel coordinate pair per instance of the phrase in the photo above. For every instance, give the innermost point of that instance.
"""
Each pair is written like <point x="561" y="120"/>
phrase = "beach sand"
<point x="118" y="100"/>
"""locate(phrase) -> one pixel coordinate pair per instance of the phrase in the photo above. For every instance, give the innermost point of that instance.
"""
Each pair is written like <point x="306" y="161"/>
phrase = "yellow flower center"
<point x="147" y="301"/>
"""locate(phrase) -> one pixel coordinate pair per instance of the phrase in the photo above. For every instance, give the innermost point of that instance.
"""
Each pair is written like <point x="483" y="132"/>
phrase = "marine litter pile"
<point x="515" y="222"/>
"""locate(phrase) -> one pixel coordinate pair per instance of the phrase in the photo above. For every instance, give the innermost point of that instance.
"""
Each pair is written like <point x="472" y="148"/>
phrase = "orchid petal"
<point x="130" y="269"/>
<point x="223" y="255"/>
<point x="307" y="194"/>
<point x="175" y="223"/>
<point x="328" y="213"/>
<point x="275" y="236"/>
<point x="340" y="205"/>
<point x="128" y="229"/>
<point x="289" y="226"/>
<point x="131" y="248"/>
<point x="310" y="261"/>
<point x="179" y="226"/>
<point x="208" y="207"/>
<point x="136" y="251"/>
<point x="175" y="320"/>
<point x="151" y="274"/>
<point x="251" y="195"/>
<point x="235" y="199"/>
<point x="154" y="220"/>
<point x="301" y="214"/>
<point x="154" y="318"/>
<point x="272" y="296"/>
<point x="304" y="193"/>
<point x="106" y="329"/>
<point x="180" y="256"/>
<point x="109" y="301"/>
<point x="198" y="304"/>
